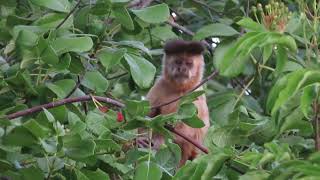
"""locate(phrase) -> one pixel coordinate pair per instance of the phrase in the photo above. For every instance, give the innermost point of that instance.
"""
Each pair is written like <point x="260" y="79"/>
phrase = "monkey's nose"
<point x="182" y="69"/>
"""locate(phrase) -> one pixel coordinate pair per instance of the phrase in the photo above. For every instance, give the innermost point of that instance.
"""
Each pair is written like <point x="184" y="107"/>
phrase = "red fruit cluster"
<point x="120" y="117"/>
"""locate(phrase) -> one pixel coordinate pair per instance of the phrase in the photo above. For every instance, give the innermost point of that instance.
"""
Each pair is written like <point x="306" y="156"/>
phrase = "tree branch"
<point x="214" y="73"/>
<point x="183" y="29"/>
<point x="63" y="102"/>
<point x="69" y="14"/>
<point x="196" y="144"/>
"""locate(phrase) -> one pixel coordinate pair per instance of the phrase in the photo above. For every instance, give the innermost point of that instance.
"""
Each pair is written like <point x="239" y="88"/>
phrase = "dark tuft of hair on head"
<point x="181" y="46"/>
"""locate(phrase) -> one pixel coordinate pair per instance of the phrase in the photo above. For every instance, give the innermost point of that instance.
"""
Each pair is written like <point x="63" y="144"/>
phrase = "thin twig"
<point x="207" y="6"/>
<point x="244" y="90"/>
<point x="69" y="14"/>
<point x="74" y="88"/>
<point x="316" y="124"/>
<point x="117" y="76"/>
<point x="195" y="143"/>
<point x="150" y="36"/>
<point x="183" y="29"/>
<point x="214" y="73"/>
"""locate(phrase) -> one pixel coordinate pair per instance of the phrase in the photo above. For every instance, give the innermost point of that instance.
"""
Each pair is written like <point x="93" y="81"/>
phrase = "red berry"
<point x="103" y="109"/>
<point x="120" y="117"/>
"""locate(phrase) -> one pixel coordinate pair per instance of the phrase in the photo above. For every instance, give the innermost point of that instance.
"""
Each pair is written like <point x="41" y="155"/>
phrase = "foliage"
<point x="263" y="106"/>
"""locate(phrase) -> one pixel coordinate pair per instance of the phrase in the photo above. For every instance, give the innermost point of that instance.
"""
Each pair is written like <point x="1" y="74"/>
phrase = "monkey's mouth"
<point x="182" y="77"/>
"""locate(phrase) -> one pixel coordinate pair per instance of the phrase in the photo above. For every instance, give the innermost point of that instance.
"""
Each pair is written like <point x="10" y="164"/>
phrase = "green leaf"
<point x="96" y="123"/>
<point x="77" y="148"/>
<point x="248" y="23"/>
<point x="163" y="32"/>
<point x="194" y="122"/>
<point x="216" y="29"/>
<point x="95" y="81"/>
<point x="97" y="174"/>
<point x="5" y="165"/>
<point x="289" y="42"/>
<point x="26" y="38"/>
<point x="72" y="44"/>
<point x="142" y="70"/>
<point x="48" y="164"/>
<point x="147" y="171"/>
<point x="267" y="51"/>
<point x="133" y="44"/>
<point x="254" y="175"/>
<point x="263" y="132"/>
<point x="80" y="175"/>
<point x="308" y="96"/>
<point x="110" y="57"/>
<point x="236" y="57"/>
<point x="153" y="14"/>
<point x="205" y="167"/>
<point x="32" y="173"/>
<point x="274" y="92"/>
<point x="35" y="128"/>
<point x="106" y="145"/>
<point x="62" y="87"/>
<point x="17" y="134"/>
<point x="123" y="17"/>
<point x="46" y="52"/>
<point x="282" y="58"/>
<point x="57" y="5"/>
<point x="141" y="108"/>
<point x="168" y="158"/>
<point x="294" y="82"/>
<point x="224" y="136"/>
<point x="188" y="114"/>
<point x="295" y="121"/>
<point x="64" y="62"/>
<point x="191" y="97"/>
<point x="52" y="20"/>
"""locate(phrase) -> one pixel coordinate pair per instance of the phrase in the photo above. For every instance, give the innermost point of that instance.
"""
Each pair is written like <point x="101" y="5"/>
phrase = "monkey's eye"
<point x="178" y="62"/>
<point x="189" y="64"/>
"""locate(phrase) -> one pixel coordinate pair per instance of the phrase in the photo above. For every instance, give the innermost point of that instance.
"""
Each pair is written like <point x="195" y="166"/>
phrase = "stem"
<point x="68" y="15"/>
<point x="74" y="88"/>
<point x="117" y="76"/>
<point x="244" y="90"/>
<point x="195" y="143"/>
<point x="316" y="123"/>
<point x="150" y="36"/>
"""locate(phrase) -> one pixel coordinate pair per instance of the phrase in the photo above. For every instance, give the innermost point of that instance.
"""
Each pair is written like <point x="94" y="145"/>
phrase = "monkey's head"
<point x="183" y="61"/>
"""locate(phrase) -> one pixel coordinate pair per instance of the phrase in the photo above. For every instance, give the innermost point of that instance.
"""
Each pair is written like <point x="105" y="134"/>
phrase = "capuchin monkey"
<point x="183" y="65"/>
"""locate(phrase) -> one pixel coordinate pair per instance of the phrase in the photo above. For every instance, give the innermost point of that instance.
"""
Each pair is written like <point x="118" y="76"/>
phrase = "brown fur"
<point x="169" y="87"/>
<point x="179" y="46"/>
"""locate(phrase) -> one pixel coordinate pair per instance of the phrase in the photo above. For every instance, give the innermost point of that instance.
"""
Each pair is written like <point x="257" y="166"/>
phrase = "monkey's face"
<point x="182" y="68"/>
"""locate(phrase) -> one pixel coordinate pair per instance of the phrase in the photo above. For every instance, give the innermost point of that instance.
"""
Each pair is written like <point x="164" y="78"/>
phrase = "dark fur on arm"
<point x="181" y="46"/>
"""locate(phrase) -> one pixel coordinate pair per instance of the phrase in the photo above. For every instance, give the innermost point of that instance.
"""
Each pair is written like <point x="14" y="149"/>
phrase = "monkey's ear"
<point x="181" y="46"/>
